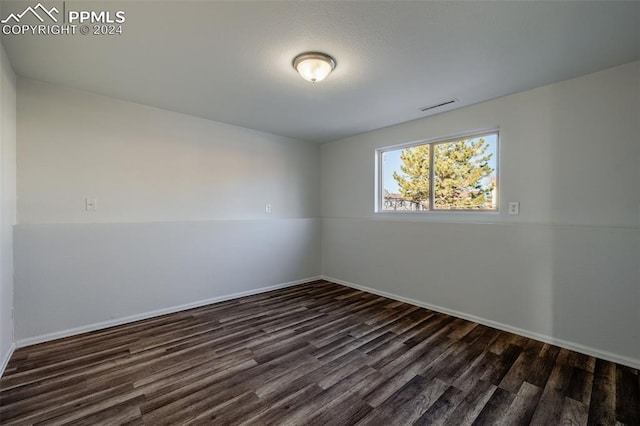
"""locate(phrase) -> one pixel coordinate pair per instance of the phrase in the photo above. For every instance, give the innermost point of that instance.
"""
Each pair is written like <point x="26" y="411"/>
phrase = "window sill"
<point x="457" y="216"/>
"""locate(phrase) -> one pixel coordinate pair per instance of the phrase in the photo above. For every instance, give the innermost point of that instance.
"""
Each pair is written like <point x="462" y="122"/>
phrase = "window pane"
<point x="465" y="174"/>
<point x="405" y="179"/>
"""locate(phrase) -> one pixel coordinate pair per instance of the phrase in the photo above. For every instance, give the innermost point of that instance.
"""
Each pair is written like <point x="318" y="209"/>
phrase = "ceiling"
<point x="231" y="61"/>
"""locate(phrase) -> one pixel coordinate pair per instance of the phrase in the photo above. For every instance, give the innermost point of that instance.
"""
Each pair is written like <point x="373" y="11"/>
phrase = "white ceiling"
<point x="231" y="61"/>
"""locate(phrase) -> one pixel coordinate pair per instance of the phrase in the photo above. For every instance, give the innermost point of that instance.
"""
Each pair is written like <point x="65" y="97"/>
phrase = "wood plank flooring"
<point x="313" y="354"/>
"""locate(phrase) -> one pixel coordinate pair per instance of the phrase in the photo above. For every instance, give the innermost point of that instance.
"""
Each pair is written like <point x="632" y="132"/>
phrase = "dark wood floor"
<point x="318" y="353"/>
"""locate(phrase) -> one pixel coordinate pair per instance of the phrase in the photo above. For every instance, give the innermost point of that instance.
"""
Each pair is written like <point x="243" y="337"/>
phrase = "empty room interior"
<point x="320" y="212"/>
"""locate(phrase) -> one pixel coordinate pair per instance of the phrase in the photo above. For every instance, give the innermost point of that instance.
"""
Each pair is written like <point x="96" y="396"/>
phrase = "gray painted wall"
<point x="181" y="211"/>
<point x="77" y="277"/>
<point x="565" y="270"/>
<point x="145" y="164"/>
<point x="7" y="203"/>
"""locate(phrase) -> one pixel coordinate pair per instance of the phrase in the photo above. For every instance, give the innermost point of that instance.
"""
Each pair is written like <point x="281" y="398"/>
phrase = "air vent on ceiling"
<point x="427" y="108"/>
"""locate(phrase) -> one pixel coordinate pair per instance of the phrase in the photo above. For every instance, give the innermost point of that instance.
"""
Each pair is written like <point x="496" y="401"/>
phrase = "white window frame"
<point x="379" y="190"/>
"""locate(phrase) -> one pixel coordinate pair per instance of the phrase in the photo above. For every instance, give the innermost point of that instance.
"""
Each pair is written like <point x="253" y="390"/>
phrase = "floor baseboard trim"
<point x="587" y="350"/>
<point x="151" y="314"/>
<point x="5" y="359"/>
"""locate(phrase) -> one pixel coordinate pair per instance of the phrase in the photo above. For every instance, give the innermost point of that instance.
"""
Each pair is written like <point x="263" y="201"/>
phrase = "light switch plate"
<point x="90" y="204"/>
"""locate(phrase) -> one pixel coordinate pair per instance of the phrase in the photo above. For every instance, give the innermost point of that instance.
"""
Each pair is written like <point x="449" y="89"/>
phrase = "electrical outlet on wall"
<point x="514" y="207"/>
<point x="267" y="208"/>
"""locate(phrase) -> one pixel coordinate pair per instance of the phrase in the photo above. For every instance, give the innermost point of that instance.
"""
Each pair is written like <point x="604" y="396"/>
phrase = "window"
<point x="457" y="174"/>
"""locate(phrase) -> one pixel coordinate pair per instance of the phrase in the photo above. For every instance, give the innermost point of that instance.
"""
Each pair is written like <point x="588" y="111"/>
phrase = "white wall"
<point x="75" y="277"/>
<point x="181" y="211"/>
<point x="565" y="270"/>
<point x="8" y="203"/>
<point x="144" y="164"/>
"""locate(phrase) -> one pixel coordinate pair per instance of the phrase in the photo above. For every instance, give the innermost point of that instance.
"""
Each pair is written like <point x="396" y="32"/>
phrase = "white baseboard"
<point x="146" y="315"/>
<point x="5" y="359"/>
<point x="587" y="350"/>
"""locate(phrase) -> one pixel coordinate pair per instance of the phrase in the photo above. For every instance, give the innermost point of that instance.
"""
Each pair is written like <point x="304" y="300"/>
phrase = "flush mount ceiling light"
<point x="314" y="66"/>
